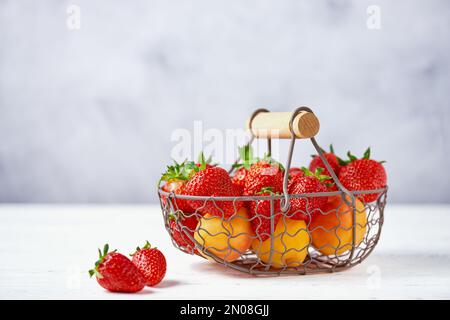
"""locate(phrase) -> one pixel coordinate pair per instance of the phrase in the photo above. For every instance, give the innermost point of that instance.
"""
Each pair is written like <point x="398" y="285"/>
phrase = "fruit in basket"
<point x="180" y="223"/>
<point x="295" y="172"/>
<point x="260" y="214"/>
<point x="363" y="174"/>
<point x="176" y="177"/>
<point x="332" y="160"/>
<point x="290" y="244"/>
<point x="117" y="273"/>
<point x="178" y="188"/>
<point x="216" y="182"/>
<point x="151" y="263"/>
<point x="238" y="179"/>
<point x="331" y="231"/>
<point x="302" y="208"/>
<point x="228" y="238"/>
<point x="247" y="159"/>
<point x="264" y="174"/>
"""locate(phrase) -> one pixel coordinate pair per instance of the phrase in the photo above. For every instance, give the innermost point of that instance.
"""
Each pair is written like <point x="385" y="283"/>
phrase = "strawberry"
<point x="151" y="263"/>
<point x="117" y="273"/>
<point x="363" y="174"/>
<point x="294" y="172"/>
<point x="264" y="174"/>
<point x="177" y="229"/>
<point x="333" y="161"/>
<point x="260" y="214"/>
<point x="176" y="177"/>
<point x="247" y="159"/>
<point x="177" y="187"/>
<point x="303" y="208"/>
<point x="213" y="181"/>
<point x="238" y="179"/>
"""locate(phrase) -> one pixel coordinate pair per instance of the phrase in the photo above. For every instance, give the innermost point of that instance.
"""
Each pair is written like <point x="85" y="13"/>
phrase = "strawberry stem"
<point x="317" y="174"/>
<point x="101" y="257"/>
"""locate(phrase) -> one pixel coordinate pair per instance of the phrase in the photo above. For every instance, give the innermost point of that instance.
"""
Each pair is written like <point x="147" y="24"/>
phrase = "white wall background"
<point x="86" y="115"/>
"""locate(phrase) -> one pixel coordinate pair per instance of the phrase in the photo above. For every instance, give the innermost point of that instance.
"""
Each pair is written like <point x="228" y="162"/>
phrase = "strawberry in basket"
<point x="214" y="182"/>
<point x="246" y="156"/>
<point x="363" y="174"/>
<point x="260" y="214"/>
<point x="178" y="224"/>
<point x="176" y="177"/>
<point x="294" y="172"/>
<point x="333" y="161"/>
<point x="265" y="173"/>
<point x="303" y="208"/>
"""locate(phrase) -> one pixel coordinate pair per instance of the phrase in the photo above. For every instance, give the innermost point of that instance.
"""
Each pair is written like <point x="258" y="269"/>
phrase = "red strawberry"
<point x="303" y="208"/>
<point x="264" y="174"/>
<point x="151" y="263"/>
<point x="176" y="177"/>
<point x="294" y="172"/>
<point x="239" y="179"/>
<point x="247" y="159"/>
<point x="363" y="174"/>
<point x="177" y="187"/>
<point x="260" y="214"/>
<point x="213" y="181"/>
<point x="117" y="273"/>
<point x="334" y="163"/>
<point x="188" y="224"/>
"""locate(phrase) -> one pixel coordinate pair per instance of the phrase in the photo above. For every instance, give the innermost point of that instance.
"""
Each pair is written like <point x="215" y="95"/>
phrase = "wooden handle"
<point x="276" y="125"/>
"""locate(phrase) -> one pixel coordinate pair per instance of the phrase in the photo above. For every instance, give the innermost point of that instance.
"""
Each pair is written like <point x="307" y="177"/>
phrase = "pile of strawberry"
<point x="262" y="177"/>
<point x="116" y="273"/>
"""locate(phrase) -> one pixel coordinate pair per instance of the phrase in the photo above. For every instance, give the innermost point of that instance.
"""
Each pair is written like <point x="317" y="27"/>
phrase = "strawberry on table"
<point x="117" y="273"/>
<point x="303" y="208"/>
<point x="363" y="174"/>
<point x="151" y="263"/>
<point x="261" y="214"/>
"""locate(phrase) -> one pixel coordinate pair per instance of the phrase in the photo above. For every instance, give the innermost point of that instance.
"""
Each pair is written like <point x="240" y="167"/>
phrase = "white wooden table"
<point x="45" y="252"/>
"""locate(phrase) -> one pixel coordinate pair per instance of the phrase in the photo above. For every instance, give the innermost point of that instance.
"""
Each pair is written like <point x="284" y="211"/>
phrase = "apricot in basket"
<point x="331" y="229"/>
<point x="226" y="238"/>
<point x="290" y="244"/>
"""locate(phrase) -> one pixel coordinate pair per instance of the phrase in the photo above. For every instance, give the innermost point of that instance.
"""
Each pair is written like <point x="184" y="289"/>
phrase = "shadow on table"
<point x="216" y="268"/>
<point x="168" y="284"/>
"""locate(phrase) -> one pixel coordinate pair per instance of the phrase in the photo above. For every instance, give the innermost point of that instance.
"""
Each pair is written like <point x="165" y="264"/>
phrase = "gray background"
<point x="86" y="115"/>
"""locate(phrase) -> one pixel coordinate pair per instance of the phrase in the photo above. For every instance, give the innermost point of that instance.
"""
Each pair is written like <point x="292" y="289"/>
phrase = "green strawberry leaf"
<point x="268" y="190"/>
<point x="331" y="149"/>
<point x="101" y="257"/>
<point x="367" y="154"/>
<point x="351" y="157"/>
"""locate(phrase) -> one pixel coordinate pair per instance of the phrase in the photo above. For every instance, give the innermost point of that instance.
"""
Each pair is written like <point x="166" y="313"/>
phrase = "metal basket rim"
<point x="274" y="197"/>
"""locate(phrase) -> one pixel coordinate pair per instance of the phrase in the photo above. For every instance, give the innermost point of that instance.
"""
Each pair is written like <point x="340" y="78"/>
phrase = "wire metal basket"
<point x="334" y="238"/>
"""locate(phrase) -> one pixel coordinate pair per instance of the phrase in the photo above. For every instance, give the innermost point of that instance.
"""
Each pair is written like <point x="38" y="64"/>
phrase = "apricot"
<point x="290" y="244"/>
<point x="331" y="231"/>
<point x="228" y="238"/>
